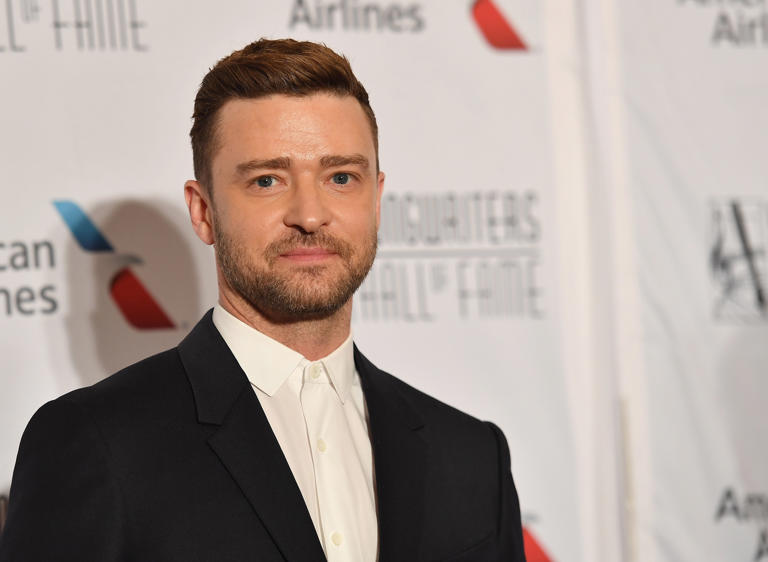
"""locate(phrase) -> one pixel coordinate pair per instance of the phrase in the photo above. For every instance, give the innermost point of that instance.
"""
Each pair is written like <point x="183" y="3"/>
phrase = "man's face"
<point x="295" y="202"/>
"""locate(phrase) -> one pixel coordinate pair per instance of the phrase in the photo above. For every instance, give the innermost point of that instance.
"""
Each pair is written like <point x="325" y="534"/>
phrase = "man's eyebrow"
<point x="338" y="160"/>
<point x="280" y="163"/>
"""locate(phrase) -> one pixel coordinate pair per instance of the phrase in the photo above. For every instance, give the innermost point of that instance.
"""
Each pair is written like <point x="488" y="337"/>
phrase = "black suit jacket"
<point x="172" y="459"/>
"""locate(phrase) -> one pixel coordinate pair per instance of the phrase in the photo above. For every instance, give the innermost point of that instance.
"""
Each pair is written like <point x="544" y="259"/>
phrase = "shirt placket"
<point x="325" y="431"/>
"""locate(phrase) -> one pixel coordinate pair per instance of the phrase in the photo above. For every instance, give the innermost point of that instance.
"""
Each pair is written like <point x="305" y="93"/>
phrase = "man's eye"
<point x="265" y="181"/>
<point x="341" y="178"/>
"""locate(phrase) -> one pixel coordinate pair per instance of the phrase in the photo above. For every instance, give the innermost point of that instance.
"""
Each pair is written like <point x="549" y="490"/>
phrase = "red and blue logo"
<point x="135" y="302"/>
<point x="534" y="552"/>
<point x="496" y="28"/>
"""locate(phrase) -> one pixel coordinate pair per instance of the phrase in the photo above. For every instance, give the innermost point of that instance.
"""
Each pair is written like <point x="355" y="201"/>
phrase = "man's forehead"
<point x="273" y="106"/>
<point x="278" y="124"/>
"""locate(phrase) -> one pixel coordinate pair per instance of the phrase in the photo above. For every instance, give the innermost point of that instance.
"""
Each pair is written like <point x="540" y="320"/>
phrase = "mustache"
<point x="297" y="239"/>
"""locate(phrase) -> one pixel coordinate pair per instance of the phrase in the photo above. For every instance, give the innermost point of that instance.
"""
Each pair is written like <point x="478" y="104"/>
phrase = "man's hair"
<point x="264" y="68"/>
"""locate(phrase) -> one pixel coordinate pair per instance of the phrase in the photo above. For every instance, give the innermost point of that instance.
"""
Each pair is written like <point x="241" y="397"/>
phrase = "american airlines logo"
<point x="534" y="552"/>
<point x="135" y="302"/>
<point x="749" y="508"/>
<point x="496" y="28"/>
<point x="735" y="24"/>
<point x="349" y="15"/>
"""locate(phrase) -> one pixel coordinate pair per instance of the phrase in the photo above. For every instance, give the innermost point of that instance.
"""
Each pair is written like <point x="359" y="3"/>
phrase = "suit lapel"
<point x="400" y="461"/>
<point x="249" y="450"/>
<point x="245" y="443"/>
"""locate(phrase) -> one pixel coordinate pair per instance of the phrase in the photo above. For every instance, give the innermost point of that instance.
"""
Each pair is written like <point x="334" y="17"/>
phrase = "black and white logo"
<point x="750" y="508"/>
<point x="463" y="255"/>
<point x="71" y="25"/>
<point x="735" y="23"/>
<point x="737" y="259"/>
<point x="351" y="15"/>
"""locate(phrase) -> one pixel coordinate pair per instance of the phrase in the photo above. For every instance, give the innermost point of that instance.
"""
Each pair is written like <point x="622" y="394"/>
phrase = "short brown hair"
<point x="263" y="68"/>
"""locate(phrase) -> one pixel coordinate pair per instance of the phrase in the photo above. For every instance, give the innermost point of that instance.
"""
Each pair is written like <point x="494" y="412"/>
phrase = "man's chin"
<point x="300" y="310"/>
<point x="304" y="295"/>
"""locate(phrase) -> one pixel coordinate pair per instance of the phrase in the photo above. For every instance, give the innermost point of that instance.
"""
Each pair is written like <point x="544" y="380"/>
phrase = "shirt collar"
<point x="340" y="366"/>
<point x="268" y="363"/>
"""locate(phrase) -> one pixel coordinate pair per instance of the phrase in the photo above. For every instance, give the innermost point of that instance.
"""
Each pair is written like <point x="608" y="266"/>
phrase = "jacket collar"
<point x="246" y="445"/>
<point x="400" y="462"/>
<point x="216" y="378"/>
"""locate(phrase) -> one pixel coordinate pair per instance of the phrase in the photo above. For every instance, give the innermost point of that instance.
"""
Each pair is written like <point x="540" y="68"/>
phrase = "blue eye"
<point x="341" y="178"/>
<point x="265" y="181"/>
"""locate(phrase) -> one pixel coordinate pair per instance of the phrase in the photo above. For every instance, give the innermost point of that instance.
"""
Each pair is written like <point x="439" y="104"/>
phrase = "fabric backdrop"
<point x="573" y="238"/>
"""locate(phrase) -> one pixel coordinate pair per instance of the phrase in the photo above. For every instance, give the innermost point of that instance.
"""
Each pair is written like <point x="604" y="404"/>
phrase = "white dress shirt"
<point x="317" y="413"/>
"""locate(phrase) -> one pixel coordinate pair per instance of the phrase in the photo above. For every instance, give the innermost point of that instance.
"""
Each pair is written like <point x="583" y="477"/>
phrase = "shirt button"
<point x="315" y="370"/>
<point x="337" y="538"/>
<point x="321" y="445"/>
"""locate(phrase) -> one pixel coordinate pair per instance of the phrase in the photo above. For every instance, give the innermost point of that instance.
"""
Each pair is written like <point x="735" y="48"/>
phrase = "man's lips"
<point x="308" y="254"/>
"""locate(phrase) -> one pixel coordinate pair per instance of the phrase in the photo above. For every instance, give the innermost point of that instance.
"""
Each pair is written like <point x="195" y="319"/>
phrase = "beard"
<point x="301" y="292"/>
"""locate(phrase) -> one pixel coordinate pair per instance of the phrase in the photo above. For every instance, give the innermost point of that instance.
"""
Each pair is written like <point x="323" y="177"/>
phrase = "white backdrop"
<point x="574" y="233"/>
<point x="693" y="100"/>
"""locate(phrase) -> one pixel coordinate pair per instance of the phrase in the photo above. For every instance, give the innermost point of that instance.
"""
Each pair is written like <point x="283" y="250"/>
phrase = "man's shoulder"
<point x="139" y="404"/>
<point x="439" y="416"/>
<point x="146" y="387"/>
<point x="430" y="406"/>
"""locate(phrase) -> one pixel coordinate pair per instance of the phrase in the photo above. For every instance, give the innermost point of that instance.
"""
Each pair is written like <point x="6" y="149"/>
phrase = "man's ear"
<point x="380" y="190"/>
<point x="200" y="210"/>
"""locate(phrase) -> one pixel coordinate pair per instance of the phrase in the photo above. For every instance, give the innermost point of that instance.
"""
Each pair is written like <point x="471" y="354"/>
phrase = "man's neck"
<point x="314" y="339"/>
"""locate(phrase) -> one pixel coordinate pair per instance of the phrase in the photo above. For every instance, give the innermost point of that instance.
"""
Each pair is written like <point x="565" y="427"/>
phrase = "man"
<point x="266" y="435"/>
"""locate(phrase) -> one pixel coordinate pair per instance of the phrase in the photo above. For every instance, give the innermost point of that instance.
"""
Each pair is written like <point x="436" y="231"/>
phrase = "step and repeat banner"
<point x="96" y="104"/>
<point x="693" y="94"/>
<point x="480" y="294"/>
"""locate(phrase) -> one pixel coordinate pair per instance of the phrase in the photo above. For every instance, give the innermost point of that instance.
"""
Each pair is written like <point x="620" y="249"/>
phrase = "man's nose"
<point x="307" y="209"/>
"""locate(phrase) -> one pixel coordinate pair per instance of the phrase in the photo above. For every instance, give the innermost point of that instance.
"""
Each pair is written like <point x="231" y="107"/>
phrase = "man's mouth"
<point x="308" y="254"/>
